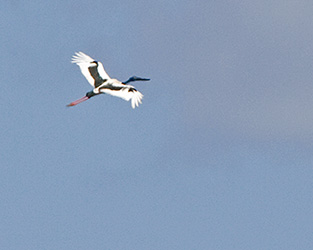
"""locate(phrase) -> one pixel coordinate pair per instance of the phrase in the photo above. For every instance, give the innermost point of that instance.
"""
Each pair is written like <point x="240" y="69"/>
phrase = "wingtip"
<point x="136" y="99"/>
<point x="80" y="57"/>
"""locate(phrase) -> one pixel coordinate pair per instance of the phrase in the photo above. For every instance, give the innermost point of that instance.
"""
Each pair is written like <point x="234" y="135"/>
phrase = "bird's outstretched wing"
<point x="91" y="69"/>
<point x="127" y="93"/>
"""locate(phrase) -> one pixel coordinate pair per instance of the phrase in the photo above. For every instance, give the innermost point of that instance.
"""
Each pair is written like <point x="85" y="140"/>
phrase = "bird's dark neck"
<point x="135" y="78"/>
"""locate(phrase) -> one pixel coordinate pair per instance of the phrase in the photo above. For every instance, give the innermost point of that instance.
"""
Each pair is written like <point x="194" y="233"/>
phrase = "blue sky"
<point x="218" y="156"/>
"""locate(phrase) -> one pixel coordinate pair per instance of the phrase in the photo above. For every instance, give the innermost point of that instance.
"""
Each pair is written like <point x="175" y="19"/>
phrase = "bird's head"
<point x="136" y="78"/>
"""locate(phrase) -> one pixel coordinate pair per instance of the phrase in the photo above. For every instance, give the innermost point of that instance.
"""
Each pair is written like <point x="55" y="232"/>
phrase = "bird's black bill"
<point x="142" y="79"/>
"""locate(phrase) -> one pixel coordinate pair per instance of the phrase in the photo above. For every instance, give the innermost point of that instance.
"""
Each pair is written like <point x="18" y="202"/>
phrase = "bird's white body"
<point x="102" y="83"/>
<point x="126" y="92"/>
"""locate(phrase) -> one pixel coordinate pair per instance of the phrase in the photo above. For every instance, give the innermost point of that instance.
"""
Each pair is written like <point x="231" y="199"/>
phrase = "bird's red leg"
<point x="78" y="101"/>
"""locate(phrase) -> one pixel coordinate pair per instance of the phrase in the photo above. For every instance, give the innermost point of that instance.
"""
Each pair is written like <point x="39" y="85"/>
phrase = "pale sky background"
<point x="218" y="156"/>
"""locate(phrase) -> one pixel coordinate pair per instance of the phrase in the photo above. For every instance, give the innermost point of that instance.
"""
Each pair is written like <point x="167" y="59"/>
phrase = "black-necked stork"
<point x="103" y="84"/>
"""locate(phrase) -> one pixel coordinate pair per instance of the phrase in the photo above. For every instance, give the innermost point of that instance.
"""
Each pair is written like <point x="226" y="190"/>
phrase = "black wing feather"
<point x="93" y="70"/>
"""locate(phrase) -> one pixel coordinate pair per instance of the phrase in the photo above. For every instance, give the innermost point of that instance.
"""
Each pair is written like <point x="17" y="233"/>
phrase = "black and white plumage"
<point x="103" y="84"/>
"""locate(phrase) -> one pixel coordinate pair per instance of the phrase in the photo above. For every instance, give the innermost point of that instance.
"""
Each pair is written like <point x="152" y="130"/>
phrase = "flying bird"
<point x="103" y="84"/>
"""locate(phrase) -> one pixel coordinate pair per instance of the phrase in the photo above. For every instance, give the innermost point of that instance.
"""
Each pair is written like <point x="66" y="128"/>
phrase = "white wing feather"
<point x="84" y="62"/>
<point x="134" y="96"/>
<point x="136" y="99"/>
